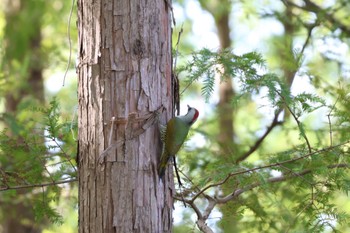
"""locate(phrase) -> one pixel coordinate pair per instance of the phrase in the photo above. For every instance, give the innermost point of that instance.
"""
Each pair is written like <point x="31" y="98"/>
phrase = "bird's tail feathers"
<point x="163" y="164"/>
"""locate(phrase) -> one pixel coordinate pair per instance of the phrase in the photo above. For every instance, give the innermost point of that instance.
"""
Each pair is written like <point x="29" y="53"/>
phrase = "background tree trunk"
<point x="226" y="121"/>
<point x="220" y="10"/>
<point x="124" y="74"/>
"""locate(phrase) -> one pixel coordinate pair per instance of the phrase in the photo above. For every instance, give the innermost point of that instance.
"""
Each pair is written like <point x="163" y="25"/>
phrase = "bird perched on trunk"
<point x="173" y="136"/>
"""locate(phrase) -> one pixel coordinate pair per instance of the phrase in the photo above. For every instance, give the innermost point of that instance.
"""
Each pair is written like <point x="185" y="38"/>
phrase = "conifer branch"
<point x="256" y="145"/>
<point x="202" y="217"/>
<point x="312" y="7"/>
<point x="277" y="164"/>
<point x="281" y="178"/>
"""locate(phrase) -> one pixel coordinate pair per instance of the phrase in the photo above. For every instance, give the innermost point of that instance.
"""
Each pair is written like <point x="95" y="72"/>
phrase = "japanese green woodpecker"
<point x="173" y="136"/>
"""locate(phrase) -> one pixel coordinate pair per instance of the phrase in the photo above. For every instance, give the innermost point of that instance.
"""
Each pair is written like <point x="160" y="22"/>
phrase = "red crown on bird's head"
<point x="196" y="113"/>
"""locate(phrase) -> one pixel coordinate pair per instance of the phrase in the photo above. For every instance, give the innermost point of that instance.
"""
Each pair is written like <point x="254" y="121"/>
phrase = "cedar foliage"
<point x="31" y="163"/>
<point x="300" y="180"/>
<point x="291" y="189"/>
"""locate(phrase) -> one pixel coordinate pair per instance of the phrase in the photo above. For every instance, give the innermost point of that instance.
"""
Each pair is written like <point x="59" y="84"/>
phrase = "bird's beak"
<point x="188" y="107"/>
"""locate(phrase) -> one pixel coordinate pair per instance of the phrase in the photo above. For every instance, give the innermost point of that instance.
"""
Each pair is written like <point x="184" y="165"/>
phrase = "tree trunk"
<point x="285" y="51"/>
<point x="124" y="77"/>
<point x="225" y="112"/>
<point x="226" y="93"/>
<point x="226" y="123"/>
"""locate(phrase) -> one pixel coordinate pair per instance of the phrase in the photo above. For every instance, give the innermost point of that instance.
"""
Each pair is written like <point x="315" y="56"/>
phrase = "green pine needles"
<point x="286" y="175"/>
<point x="37" y="154"/>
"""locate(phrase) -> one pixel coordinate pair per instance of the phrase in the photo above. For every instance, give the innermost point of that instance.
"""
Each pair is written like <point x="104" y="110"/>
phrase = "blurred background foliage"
<point x="305" y="44"/>
<point x="37" y="124"/>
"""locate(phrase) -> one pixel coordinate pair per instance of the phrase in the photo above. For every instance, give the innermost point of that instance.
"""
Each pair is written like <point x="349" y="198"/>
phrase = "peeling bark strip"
<point x="124" y="73"/>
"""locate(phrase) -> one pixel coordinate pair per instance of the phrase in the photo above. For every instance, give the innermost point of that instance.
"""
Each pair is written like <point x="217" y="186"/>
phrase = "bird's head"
<point x="191" y="116"/>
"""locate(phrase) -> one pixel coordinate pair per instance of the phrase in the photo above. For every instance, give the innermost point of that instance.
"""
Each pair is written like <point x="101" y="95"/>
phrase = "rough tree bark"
<point x="124" y="77"/>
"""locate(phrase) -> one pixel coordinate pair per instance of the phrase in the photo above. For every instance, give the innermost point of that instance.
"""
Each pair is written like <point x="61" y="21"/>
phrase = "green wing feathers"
<point x="172" y="142"/>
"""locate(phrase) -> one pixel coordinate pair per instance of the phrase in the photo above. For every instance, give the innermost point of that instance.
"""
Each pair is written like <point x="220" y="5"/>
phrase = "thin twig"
<point x="179" y="180"/>
<point x="296" y="174"/>
<point x="177" y="47"/>
<point x="37" y="185"/>
<point x="330" y="124"/>
<point x="69" y="42"/>
<point x="177" y="173"/>
<point x="65" y="154"/>
<point x="309" y="34"/>
<point x="303" y="134"/>
<point x="175" y="78"/>
<point x="72" y="123"/>
<point x="256" y="145"/>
